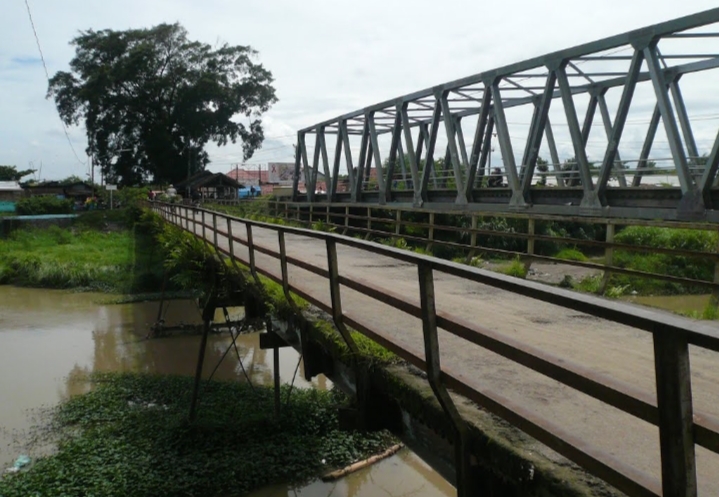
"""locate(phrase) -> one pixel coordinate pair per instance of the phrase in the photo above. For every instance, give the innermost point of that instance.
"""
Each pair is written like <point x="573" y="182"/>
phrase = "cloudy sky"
<point x="328" y="57"/>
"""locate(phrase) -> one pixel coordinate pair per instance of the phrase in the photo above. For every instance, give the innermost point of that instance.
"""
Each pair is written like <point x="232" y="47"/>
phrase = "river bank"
<point x="51" y="341"/>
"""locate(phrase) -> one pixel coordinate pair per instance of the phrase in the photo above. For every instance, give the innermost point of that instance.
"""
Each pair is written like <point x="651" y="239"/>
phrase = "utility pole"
<point x="92" y="175"/>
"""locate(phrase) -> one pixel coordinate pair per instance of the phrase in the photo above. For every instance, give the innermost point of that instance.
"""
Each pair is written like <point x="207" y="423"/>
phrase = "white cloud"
<point x="328" y="56"/>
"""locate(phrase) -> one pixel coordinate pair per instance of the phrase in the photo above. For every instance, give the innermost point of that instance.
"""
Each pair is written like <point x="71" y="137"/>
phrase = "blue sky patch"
<point x="26" y="61"/>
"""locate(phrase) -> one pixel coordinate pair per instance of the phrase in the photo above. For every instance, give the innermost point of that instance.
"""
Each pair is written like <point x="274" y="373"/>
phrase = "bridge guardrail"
<point x="329" y="215"/>
<point x="680" y="427"/>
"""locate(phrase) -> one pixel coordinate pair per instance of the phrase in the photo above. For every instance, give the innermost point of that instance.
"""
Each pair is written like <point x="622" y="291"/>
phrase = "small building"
<point x="10" y="193"/>
<point x="209" y="185"/>
<point x="78" y="191"/>
<point x="253" y="177"/>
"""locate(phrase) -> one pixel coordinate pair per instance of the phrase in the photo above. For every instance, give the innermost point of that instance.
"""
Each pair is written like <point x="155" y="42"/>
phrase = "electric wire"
<point x="47" y="76"/>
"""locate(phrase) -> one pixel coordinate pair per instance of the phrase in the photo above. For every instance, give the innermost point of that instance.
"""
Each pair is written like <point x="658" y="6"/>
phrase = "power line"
<point x="47" y="76"/>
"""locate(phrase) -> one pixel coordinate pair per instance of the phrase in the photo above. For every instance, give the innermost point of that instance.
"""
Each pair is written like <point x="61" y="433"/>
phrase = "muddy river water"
<point x="48" y="339"/>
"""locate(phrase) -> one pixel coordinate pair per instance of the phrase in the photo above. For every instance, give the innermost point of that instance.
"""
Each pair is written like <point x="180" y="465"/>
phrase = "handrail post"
<point x="251" y="251"/>
<point x="530" y="244"/>
<point x="608" y="257"/>
<point x="327" y="217"/>
<point x="715" y="292"/>
<point x="361" y="380"/>
<point x="430" y="235"/>
<point x="231" y="243"/>
<point x="369" y="224"/>
<point x="397" y="223"/>
<point x="434" y="374"/>
<point x="472" y="240"/>
<point x="214" y="229"/>
<point x="674" y="402"/>
<point x="347" y="220"/>
<point x="337" y="316"/>
<point x="285" y="275"/>
<point x="204" y="236"/>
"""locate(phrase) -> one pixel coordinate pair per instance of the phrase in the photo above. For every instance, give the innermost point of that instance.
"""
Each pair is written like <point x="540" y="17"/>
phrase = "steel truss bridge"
<point x="432" y="149"/>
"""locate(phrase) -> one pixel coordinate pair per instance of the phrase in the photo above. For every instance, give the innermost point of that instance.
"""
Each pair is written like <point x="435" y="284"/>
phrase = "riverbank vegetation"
<point x="130" y="436"/>
<point x="128" y="251"/>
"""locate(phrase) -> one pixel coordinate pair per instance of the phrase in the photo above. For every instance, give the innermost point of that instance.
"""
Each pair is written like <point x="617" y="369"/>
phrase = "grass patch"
<point x="61" y="258"/>
<point x="590" y="284"/>
<point x="709" y="313"/>
<point x="130" y="436"/>
<point x="515" y="268"/>
<point x="698" y="268"/>
<point x="568" y="254"/>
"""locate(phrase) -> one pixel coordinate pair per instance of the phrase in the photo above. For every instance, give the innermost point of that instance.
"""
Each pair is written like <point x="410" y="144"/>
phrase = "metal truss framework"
<point x="407" y="131"/>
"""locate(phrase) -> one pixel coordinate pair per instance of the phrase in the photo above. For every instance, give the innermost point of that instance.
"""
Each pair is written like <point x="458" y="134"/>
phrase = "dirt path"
<point x="618" y="351"/>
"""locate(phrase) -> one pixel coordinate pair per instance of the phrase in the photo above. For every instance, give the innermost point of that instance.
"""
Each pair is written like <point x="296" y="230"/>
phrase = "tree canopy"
<point x="10" y="173"/>
<point x="151" y="99"/>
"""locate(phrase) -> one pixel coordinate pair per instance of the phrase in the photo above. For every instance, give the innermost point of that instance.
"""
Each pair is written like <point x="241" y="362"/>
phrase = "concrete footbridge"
<point x="505" y="386"/>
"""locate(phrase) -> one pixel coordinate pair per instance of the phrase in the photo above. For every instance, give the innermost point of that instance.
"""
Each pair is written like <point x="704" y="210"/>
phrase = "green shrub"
<point x="515" y="268"/>
<point x="698" y="268"/>
<point x="45" y="204"/>
<point x="590" y="284"/>
<point x="571" y="254"/>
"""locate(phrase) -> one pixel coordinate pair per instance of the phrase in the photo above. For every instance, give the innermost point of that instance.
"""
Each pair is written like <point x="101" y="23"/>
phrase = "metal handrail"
<point x="671" y="413"/>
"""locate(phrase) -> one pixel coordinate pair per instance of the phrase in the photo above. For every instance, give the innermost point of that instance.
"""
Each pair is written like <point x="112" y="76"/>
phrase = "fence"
<point x="365" y="220"/>
<point x="680" y="427"/>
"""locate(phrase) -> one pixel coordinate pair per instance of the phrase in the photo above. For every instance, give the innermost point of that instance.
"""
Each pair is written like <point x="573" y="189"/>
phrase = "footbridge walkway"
<point x="603" y="384"/>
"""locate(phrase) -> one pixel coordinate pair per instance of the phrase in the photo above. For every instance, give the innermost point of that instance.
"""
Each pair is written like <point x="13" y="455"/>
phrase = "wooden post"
<point x="398" y="223"/>
<point x="204" y="236"/>
<point x="327" y="217"/>
<point x="530" y="244"/>
<point x="214" y="229"/>
<point x="347" y="220"/>
<point x="369" y="223"/>
<point x="608" y="257"/>
<point x="715" y="292"/>
<point x="674" y="402"/>
<point x="430" y="236"/>
<point x="312" y="219"/>
<point x="251" y="251"/>
<point x="276" y="373"/>
<point x="472" y="240"/>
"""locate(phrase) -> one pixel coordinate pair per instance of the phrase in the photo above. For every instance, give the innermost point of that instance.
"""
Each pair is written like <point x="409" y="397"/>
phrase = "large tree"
<point x="151" y="100"/>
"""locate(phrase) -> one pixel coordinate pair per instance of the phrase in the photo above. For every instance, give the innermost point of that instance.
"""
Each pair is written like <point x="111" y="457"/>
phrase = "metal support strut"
<point x="434" y="373"/>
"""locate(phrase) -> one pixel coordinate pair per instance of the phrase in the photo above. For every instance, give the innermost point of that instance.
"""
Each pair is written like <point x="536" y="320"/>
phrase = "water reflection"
<point x="50" y="339"/>
<point x="403" y="474"/>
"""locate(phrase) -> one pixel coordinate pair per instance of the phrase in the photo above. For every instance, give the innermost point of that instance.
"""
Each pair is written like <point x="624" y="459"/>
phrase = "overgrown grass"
<point x="130" y="436"/>
<point x="61" y="258"/>
<point x="515" y="268"/>
<point x="673" y="265"/>
<point x="710" y="311"/>
<point x="571" y="254"/>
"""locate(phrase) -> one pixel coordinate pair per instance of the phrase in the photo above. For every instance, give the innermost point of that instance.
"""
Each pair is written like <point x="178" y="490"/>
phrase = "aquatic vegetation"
<point x="130" y="436"/>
